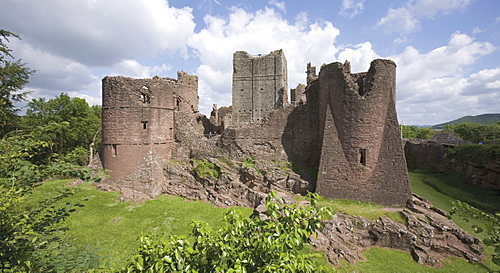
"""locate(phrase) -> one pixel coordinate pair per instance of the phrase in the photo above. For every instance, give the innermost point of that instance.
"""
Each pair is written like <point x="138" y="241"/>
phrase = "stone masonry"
<point x="138" y="118"/>
<point x="343" y="138"/>
<point x="260" y="85"/>
<point x="362" y="155"/>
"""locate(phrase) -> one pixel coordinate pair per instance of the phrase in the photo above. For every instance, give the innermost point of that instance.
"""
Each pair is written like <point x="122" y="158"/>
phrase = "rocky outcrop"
<point x="427" y="234"/>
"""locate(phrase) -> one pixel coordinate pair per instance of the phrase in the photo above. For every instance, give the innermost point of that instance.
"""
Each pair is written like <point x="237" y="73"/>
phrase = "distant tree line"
<point x="415" y="132"/>
<point x="476" y="132"/>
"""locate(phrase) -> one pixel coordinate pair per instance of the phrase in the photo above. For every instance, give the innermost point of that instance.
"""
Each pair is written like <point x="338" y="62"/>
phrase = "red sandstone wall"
<point x="137" y="116"/>
<point x="362" y="155"/>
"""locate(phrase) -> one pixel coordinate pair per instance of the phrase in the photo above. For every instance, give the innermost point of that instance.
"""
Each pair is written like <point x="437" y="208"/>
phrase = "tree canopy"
<point x="83" y="124"/>
<point x="14" y="75"/>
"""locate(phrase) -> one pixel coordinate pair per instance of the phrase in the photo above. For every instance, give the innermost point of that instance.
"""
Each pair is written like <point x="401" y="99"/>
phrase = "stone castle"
<point x="340" y="130"/>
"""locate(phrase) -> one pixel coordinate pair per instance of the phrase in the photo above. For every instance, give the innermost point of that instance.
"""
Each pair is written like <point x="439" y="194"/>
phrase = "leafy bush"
<point x="242" y="245"/>
<point x="29" y="230"/>
<point x="477" y="153"/>
<point x="204" y="169"/>
<point x="78" y="156"/>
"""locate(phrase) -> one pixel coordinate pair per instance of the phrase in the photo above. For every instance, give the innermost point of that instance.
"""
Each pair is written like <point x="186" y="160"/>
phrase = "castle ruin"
<point x="341" y="128"/>
<point x="138" y="117"/>
<point x="260" y="85"/>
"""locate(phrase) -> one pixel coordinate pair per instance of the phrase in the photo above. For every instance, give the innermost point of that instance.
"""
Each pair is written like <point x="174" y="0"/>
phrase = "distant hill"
<point x="483" y="119"/>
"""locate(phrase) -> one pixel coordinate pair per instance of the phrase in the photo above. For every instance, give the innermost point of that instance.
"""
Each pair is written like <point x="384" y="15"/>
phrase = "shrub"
<point x="242" y="245"/>
<point x="204" y="169"/>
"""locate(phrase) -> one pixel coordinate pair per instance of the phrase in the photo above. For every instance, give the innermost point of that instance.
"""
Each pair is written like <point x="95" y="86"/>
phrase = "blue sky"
<point x="447" y="51"/>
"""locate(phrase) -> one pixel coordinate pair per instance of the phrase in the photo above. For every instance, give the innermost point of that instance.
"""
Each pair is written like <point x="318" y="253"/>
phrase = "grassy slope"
<point x="113" y="227"/>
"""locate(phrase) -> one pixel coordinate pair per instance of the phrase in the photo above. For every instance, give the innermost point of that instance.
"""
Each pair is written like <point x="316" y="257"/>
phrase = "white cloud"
<point x="477" y="30"/>
<point x="98" y="32"/>
<point x="360" y="57"/>
<point x="53" y="73"/>
<point x="400" y="20"/>
<point x="279" y="5"/>
<point x="257" y="33"/>
<point x="133" y="69"/>
<point x="351" y="8"/>
<point x="431" y="8"/>
<point x="436" y="82"/>
<point x="406" y="19"/>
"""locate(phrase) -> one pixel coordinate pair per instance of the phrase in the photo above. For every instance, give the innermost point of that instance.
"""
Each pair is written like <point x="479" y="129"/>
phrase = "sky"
<point x="446" y="51"/>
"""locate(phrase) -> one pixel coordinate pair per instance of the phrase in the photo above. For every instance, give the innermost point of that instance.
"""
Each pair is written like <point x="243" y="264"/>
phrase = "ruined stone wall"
<point x="362" y="155"/>
<point x="138" y="119"/>
<point x="297" y="95"/>
<point x="186" y="94"/>
<point x="260" y="85"/>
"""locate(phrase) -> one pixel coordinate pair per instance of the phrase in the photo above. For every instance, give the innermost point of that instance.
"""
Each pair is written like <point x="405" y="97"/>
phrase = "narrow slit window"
<point x="144" y="125"/>
<point x="113" y="150"/>
<point x="362" y="157"/>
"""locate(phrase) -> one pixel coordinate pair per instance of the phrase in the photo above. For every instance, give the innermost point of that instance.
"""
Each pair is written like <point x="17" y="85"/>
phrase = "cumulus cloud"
<point x="406" y="19"/>
<point x="436" y="81"/>
<point x="134" y="69"/>
<point x="97" y="32"/>
<point x="279" y="5"/>
<point x="259" y="32"/>
<point x="351" y="8"/>
<point x="54" y="74"/>
<point x="360" y="56"/>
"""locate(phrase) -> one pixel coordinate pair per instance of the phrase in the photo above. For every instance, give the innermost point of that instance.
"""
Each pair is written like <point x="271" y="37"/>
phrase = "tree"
<point x="414" y="132"/>
<point x="73" y="141"/>
<point x="30" y="239"/>
<point x="476" y="132"/>
<point x="14" y="76"/>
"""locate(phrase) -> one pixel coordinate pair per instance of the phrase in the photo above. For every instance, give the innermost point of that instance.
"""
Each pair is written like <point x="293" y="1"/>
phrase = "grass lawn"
<point x="112" y="227"/>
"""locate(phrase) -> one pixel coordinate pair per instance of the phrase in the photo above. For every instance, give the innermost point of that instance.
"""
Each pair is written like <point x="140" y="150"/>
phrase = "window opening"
<point x="362" y="157"/>
<point x="144" y="96"/>
<point x="113" y="150"/>
<point x="144" y="125"/>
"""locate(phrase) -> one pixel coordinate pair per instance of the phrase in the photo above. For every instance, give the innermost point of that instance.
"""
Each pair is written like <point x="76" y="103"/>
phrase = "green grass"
<point x="113" y="227"/>
<point x="420" y="185"/>
<point x="368" y="210"/>
<point x="387" y="260"/>
<point x="487" y="200"/>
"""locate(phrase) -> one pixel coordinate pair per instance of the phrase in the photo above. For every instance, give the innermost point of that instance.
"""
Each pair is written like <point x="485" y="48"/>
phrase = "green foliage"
<point x="14" y="76"/>
<point x="475" y="132"/>
<point x="78" y="156"/>
<point x="204" y="169"/>
<point x="249" y="162"/>
<point x="415" y="132"/>
<point x="242" y="245"/>
<point x="283" y="165"/>
<point x="481" y="154"/>
<point x="491" y="229"/>
<point x="27" y="229"/>
<point x="80" y="124"/>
